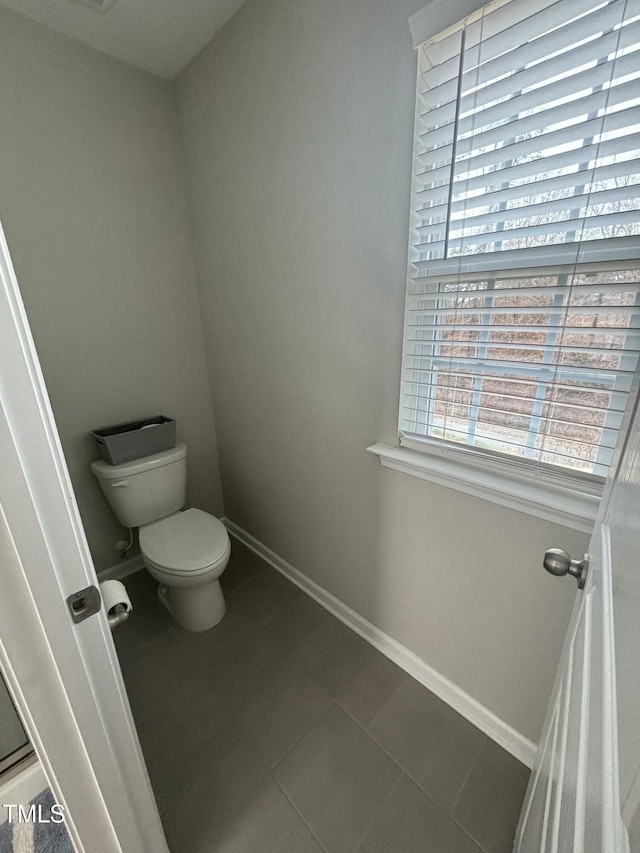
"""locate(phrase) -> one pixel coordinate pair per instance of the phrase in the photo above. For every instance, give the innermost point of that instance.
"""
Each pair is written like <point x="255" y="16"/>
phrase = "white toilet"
<point x="185" y="551"/>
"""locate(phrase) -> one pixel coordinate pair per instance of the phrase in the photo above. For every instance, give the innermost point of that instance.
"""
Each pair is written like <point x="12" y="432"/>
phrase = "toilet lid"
<point x="188" y="541"/>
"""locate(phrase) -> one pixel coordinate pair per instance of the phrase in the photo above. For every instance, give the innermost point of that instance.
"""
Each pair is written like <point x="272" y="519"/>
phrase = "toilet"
<point x="186" y="550"/>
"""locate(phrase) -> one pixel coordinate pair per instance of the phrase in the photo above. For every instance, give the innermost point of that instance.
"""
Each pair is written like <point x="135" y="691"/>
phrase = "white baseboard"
<point x="502" y="733"/>
<point x="122" y="569"/>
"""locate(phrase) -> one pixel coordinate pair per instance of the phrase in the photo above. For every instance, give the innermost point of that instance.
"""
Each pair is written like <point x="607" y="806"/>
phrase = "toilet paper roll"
<point x="115" y="601"/>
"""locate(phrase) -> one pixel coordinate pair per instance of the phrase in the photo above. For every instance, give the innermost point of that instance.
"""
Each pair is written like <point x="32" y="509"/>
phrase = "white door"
<point x="584" y="793"/>
<point x="64" y="678"/>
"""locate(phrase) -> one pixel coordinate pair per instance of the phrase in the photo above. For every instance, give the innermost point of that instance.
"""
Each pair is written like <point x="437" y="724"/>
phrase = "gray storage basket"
<point x="133" y="440"/>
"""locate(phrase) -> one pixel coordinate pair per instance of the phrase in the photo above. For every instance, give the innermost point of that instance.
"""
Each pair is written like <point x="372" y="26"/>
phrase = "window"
<point x="523" y="310"/>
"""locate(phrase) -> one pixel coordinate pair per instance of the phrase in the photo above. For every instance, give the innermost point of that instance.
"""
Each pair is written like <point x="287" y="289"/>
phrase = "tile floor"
<point x="281" y="731"/>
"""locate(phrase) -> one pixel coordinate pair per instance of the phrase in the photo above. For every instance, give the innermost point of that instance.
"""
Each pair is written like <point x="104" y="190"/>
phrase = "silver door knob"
<point x="559" y="563"/>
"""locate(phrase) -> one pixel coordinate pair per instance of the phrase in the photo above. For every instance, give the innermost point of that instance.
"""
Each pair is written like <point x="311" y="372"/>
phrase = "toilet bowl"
<point x="186" y="551"/>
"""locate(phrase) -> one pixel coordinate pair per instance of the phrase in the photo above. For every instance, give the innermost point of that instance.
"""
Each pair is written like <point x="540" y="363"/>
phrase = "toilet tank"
<point x="146" y="489"/>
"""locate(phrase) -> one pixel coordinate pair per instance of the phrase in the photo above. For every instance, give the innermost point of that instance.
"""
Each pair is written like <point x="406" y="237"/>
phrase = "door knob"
<point x="557" y="562"/>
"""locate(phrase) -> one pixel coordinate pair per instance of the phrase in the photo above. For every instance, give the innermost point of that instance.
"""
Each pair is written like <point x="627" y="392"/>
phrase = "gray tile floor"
<point x="281" y="731"/>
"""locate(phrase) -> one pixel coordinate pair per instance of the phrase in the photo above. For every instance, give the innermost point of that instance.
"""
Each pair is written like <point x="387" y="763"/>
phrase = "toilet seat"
<point x="187" y="543"/>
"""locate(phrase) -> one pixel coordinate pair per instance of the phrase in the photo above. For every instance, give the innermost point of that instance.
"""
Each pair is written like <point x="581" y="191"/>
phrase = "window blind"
<point x="529" y="129"/>
<point x="535" y="364"/>
<point x="522" y="325"/>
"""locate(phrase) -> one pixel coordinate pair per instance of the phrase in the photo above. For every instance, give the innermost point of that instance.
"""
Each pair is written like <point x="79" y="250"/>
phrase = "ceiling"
<point x="160" y="36"/>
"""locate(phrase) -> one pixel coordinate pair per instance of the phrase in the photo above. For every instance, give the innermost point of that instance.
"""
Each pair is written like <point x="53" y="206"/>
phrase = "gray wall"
<point x="297" y="125"/>
<point x="297" y="131"/>
<point x="92" y="202"/>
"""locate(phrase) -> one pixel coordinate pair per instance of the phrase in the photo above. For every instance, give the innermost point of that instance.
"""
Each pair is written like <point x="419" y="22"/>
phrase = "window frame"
<point x="549" y="497"/>
<point x="566" y="497"/>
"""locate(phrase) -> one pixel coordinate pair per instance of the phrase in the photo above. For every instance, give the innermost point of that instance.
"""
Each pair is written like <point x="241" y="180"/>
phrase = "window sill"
<point x="565" y="504"/>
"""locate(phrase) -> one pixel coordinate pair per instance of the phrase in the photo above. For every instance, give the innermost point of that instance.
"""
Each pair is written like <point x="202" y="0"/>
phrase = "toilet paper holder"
<point x="115" y="601"/>
<point x="117" y="615"/>
<point x="112" y="595"/>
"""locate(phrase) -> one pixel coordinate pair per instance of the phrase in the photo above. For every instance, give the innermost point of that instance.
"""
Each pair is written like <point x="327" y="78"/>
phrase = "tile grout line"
<point x="299" y="813"/>
<point x="381" y="709"/>
<point x="124" y="655"/>
<point x="404" y="772"/>
<point x="195" y="676"/>
<point x="303" y="735"/>
<point x="370" y="826"/>
<point x="452" y="694"/>
<point x="246" y="581"/>
<point x="475" y="840"/>
<point x="184" y="795"/>
<point x="336" y="702"/>
<point x="364" y="728"/>
<point x="468" y="776"/>
<point x="332" y="701"/>
<point x="204" y="770"/>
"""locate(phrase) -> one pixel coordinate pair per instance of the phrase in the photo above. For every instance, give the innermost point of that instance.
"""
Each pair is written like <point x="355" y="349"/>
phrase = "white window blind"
<point x="522" y="324"/>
